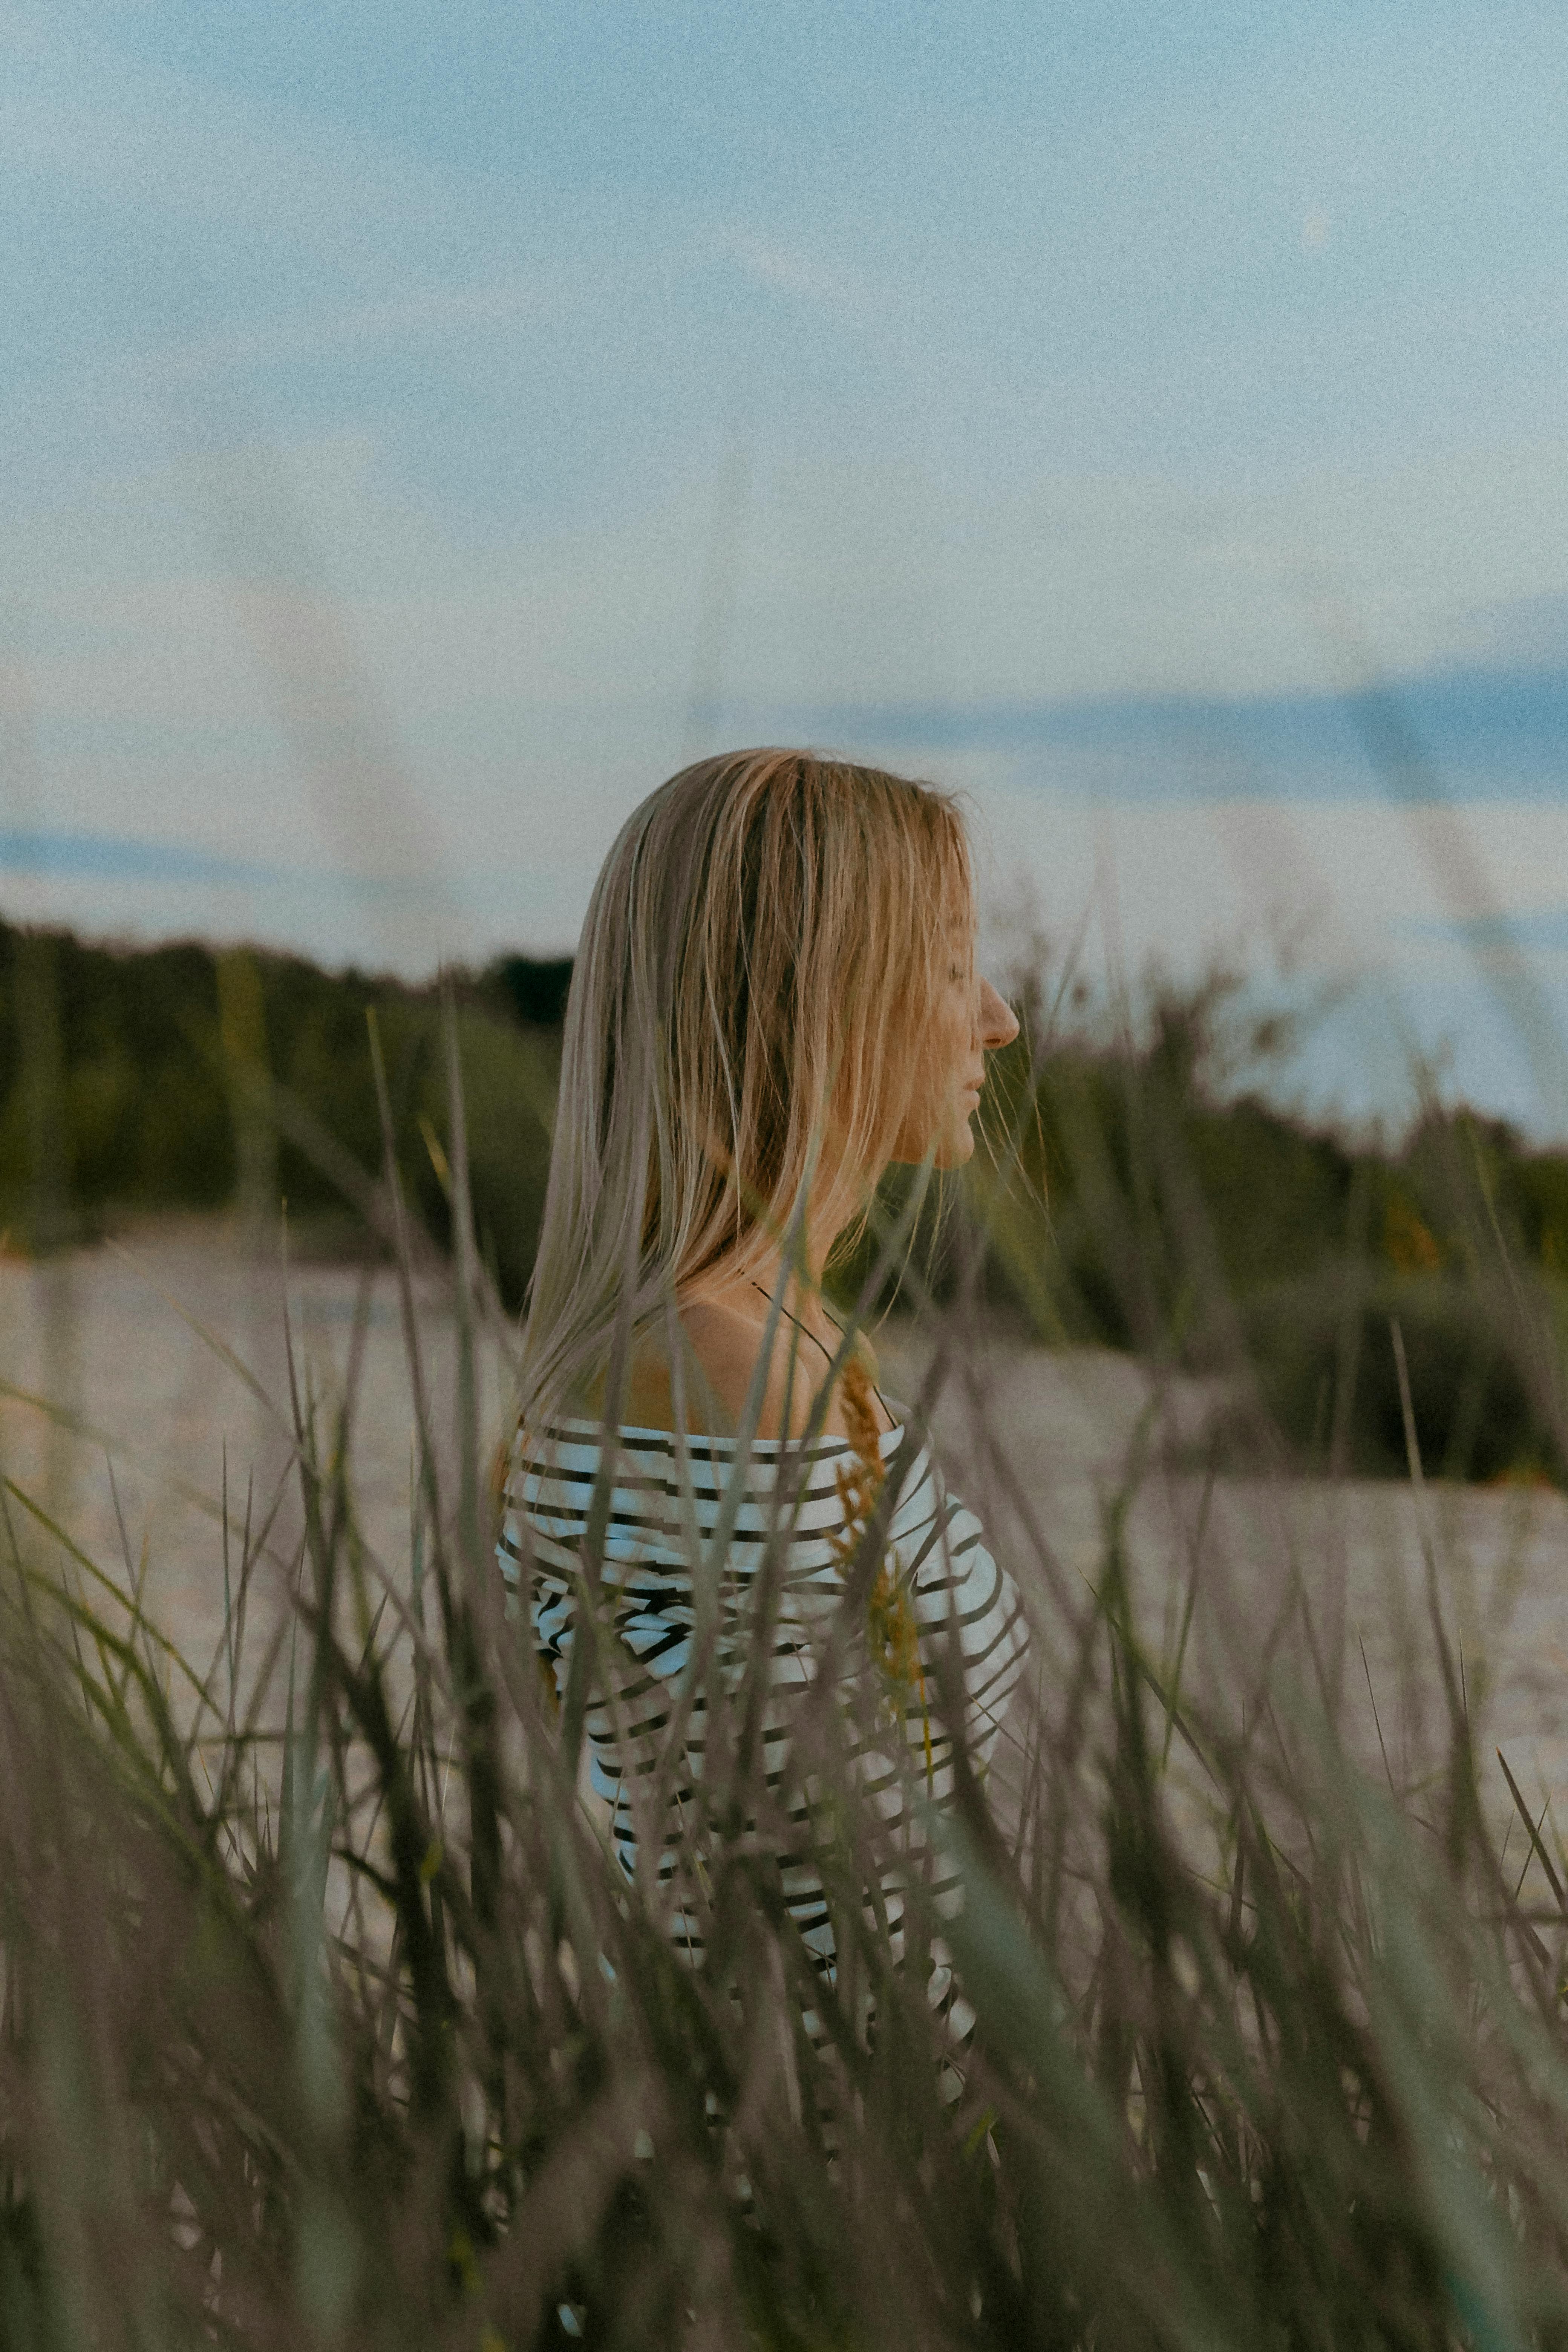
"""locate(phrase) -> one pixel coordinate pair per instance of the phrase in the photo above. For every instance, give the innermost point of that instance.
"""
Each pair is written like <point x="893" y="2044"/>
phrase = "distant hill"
<point x="127" y="1084"/>
<point x="1145" y="1206"/>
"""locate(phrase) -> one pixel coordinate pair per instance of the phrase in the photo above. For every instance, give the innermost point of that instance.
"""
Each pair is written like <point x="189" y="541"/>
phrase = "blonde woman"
<point x="775" y="998"/>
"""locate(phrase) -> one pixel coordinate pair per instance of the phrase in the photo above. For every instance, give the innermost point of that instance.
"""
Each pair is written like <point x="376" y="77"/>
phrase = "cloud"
<point x="830" y="285"/>
<point x="402" y="317"/>
<point x="97" y="856"/>
<point x="1471" y="734"/>
<point x="1531" y="931"/>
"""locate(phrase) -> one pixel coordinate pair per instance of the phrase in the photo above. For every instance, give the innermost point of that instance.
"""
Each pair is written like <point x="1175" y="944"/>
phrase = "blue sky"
<point x="428" y="423"/>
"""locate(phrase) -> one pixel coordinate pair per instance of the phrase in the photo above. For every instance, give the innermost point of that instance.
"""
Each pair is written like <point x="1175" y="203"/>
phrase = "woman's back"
<point x="662" y="1716"/>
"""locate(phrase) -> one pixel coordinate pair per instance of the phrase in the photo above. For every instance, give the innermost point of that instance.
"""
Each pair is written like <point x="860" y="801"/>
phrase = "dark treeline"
<point x="183" y="1078"/>
<point x="1137" y="1196"/>
<point x="1148" y="1205"/>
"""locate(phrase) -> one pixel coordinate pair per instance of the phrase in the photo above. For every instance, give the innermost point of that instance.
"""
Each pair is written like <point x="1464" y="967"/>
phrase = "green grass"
<point x="328" y="2019"/>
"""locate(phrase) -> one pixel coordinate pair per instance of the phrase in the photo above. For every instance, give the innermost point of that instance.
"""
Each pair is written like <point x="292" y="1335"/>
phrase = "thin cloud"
<point x="117" y="858"/>
<point x="1492" y="736"/>
<point x="1540" y="930"/>
<point x="309" y="334"/>
<point x="784" y="270"/>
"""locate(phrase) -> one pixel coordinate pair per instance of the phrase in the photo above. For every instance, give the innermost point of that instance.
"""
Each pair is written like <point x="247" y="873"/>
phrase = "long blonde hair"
<point x="763" y="951"/>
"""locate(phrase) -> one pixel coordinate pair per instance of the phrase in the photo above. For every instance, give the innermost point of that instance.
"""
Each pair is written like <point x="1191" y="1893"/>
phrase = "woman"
<point x="775" y="998"/>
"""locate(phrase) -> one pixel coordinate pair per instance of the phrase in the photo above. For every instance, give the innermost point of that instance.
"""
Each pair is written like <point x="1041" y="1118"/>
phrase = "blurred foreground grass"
<point x="328" y="2018"/>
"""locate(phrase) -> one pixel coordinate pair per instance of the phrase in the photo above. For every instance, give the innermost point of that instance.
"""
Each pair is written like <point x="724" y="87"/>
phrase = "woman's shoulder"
<point x="726" y="1343"/>
<point x="648" y="1398"/>
<point x="720" y="1348"/>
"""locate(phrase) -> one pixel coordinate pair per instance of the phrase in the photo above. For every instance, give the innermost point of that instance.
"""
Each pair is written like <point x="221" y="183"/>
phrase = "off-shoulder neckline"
<point x="589" y="1431"/>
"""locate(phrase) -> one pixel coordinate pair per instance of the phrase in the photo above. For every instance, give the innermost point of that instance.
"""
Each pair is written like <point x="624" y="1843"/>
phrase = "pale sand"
<point x="103" y="1334"/>
<point x="94" y="1332"/>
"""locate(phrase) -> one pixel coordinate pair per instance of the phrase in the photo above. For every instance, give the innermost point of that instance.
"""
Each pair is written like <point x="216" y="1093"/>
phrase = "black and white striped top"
<point x="938" y="1581"/>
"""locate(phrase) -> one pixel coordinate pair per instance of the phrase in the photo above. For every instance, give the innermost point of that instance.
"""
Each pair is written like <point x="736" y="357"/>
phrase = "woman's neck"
<point x="724" y="1315"/>
<point x="786" y="1271"/>
<point x="748" y="1286"/>
<point x="780" y="1271"/>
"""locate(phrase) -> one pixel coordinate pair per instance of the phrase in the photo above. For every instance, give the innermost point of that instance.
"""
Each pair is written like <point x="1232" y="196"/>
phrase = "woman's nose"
<point x="998" y="1022"/>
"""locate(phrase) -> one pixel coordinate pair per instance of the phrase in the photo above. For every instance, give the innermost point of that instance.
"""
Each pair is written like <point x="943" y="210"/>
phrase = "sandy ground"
<point x="1333" y="1587"/>
<point x="141" y="1346"/>
<point x="155" y="1351"/>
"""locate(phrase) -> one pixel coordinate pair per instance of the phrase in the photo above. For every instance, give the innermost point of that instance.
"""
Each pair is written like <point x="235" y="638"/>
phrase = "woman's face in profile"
<point x="970" y="1021"/>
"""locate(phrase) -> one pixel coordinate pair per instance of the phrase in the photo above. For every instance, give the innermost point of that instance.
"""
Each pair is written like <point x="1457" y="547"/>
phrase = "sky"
<point x="427" y="424"/>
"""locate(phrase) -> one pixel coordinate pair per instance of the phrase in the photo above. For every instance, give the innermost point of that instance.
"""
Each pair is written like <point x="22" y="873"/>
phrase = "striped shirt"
<point x="648" y="1721"/>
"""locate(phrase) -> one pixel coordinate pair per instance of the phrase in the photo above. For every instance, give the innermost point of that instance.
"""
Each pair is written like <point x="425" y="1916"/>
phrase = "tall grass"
<point x="329" y="2018"/>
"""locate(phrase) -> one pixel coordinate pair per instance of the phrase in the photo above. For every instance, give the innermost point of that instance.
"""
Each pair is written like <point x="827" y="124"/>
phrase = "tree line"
<point x="1129" y="1194"/>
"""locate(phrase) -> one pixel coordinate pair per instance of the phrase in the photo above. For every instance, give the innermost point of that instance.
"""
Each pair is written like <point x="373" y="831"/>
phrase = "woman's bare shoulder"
<point x="710" y="1368"/>
<point x="720" y="1343"/>
<point x="719" y="1346"/>
<point x="723" y="1344"/>
<point x="727" y="1343"/>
